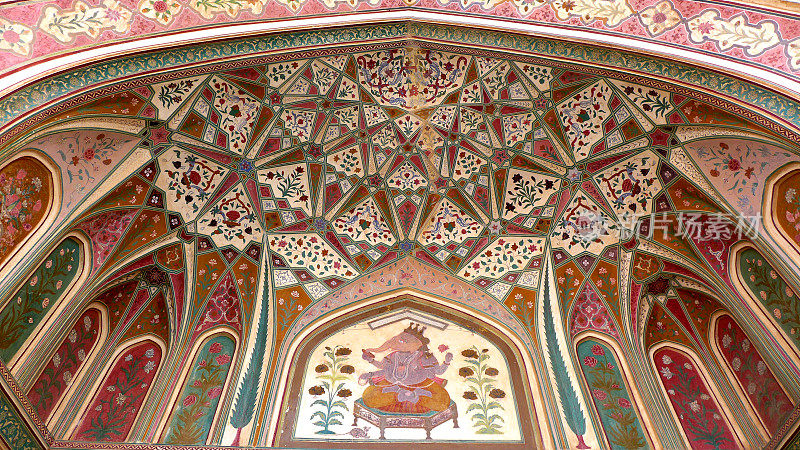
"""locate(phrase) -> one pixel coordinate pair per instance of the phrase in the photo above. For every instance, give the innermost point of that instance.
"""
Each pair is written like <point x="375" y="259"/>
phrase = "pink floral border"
<point x="34" y="30"/>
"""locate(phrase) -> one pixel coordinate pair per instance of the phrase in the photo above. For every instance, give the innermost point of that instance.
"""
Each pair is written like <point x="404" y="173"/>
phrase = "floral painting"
<point x="697" y="410"/>
<point x="63" y="367"/>
<point x="114" y="408"/>
<point x="194" y="413"/>
<point x="25" y="191"/>
<point x="753" y="374"/>
<point x="406" y="371"/>
<point x="610" y="395"/>
<point x="27" y="308"/>
<point x="786" y="203"/>
<point x="738" y="168"/>
<point x="768" y="287"/>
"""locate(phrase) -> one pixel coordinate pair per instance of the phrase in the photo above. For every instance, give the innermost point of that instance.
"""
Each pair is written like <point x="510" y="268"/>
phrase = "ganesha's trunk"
<point x="386" y="346"/>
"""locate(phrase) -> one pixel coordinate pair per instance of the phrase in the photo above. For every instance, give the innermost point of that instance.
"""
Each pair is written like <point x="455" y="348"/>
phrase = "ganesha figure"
<point x="407" y="381"/>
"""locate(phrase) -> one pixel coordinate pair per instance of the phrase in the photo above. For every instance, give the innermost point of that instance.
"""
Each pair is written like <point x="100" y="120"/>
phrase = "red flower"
<point x="590" y="361"/>
<point x="190" y="400"/>
<point x="627" y="185"/>
<point x="88" y="153"/>
<point x="223" y="359"/>
<point x="216" y="347"/>
<point x="600" y="395"/>
<point x="714" y="172"/>
<point x="214" y="392"/>
<point x="624" y="403"/>
<point x="733" y="164"/>
<point x="597" y="350"/>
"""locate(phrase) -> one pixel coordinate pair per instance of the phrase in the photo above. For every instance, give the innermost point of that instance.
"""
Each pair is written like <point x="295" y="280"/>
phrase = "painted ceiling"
<point x="229" y="230"/>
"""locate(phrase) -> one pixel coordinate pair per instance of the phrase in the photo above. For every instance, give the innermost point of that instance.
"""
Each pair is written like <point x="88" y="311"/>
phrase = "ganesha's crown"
<point x="416" y="330"/>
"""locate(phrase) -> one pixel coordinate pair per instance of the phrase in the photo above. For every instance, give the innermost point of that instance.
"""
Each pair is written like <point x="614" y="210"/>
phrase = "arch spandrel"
<point x="312" y="176"/>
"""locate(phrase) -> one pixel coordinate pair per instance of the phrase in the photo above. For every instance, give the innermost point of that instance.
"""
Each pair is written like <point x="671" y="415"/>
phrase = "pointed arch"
<point x="768" y="402"/>
<point x="31" y="313"/>
<point x="781" y="208"/>
<point x="623" y="419"/>
<point x="34" y="179"/>
<point x="69" y="363"/>
<point x="113" y="409"/>
<point x="773" y="303"/>
<point x="524" y="381"/>
<point x="207" y="379"/>
<point x="703" y="418"/>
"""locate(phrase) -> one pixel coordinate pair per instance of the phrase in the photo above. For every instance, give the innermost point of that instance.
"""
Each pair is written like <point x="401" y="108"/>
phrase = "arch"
<point x="210" y="381"/>
<point x="604" y="379"/>
<point x="105" y="414"/>
<point x="39" y="298"/>
<point x="782" y="207"/>
<point x="522" y="381"/>
<point x="778" y="323"/>
<point x="768" y="403"/>
<point x="675" y="363"/>
<point x="33" y="179"/>
<point x="69" y="362"/>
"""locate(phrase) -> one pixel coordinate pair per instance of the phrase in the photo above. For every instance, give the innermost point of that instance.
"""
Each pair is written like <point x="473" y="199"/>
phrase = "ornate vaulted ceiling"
<point x="588" y="238"/>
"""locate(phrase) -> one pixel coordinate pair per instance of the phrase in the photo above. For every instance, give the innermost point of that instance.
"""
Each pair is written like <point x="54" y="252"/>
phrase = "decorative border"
<point x="633" y="20"/>
<point x="26" y="405"/>
<point x="785" y="430"/>
<point x="23" y="109"/>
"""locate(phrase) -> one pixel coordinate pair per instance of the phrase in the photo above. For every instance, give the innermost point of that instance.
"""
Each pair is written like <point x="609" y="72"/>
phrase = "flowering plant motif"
<point x="651" y="101"/>
<point x="28" y="307"/>
<point x="447" y="224"/>
<point x="584" y="226"/>
<point x="735" y="166"/>
<point x="20" y="206"/>
<point x="288" y="186"/>
<point x="333" y="373"/>
<point x="84" y="156"/>
<point x="527" y="191"/>
<point x="201" y="395"/>
<point x="65" y="363"/>
<point x="111" y="414"/>
<point x="660" y="18"/>
<point x="696" y="409"/>
<point x="232" y="220"/>
<point x="15" y="37"/>
<point x="189" y="181"/>
<point x="772" y="291"/>
<point x="791" y="204"/>
<point x="162" y="11"/>
<point x="236" y="111"/>
<point x="364" y="223"/>
<point x="589" y="312"/>
<point x="483" y="393"/>
<point x="503" y="255"/>
<point x="733" y="32"/>
<point x="175" y="91"/>
<point x="749" y="368"/>
<point x="65" y="25"/>
<point x="631" y="186"/>
<point x="610" y="397"/>
<point x="312" y="253"/>
<point x="583" y="115"/>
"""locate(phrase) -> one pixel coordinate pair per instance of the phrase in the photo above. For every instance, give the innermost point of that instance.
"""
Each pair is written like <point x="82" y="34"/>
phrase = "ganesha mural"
<point x="427" y="379"/>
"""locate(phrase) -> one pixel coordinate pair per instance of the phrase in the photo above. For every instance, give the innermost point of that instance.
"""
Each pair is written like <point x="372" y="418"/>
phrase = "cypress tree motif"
<point x="248" y="389"/>
<point x="569" y="400"/>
